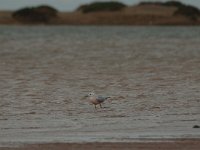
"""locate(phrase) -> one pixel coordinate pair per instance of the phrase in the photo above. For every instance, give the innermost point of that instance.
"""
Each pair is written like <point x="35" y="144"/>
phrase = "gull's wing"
<point x="101" y="98"/>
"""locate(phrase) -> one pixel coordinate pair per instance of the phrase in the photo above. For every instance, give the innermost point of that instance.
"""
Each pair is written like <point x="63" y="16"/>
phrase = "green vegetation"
<point x="101" y="6"/>
<point x="189" y="11"/>
<point x="186" y="10"/>
<point x="173" y="3"/>
<point x="41" y="14"/>
<point x="169" y="3"/>
<point x="150" y="3"/>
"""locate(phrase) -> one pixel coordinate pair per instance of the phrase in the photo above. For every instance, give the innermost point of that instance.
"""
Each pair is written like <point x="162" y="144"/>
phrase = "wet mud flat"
<point x="152" y="74"/>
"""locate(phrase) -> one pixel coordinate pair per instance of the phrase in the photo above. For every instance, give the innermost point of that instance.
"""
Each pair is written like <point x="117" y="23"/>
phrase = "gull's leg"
<point x="95" y="106"/>
<point x="100" y="106"/>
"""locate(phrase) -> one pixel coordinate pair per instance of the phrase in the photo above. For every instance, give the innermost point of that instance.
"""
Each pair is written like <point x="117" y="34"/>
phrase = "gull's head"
<point x="91" y="94"/>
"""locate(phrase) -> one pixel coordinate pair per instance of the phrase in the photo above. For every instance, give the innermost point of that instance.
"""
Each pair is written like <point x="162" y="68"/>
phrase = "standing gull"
<point x="96" y="100"/>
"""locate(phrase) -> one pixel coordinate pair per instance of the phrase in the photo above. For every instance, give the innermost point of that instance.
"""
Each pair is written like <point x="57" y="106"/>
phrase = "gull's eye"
<point x="90" y="94"/>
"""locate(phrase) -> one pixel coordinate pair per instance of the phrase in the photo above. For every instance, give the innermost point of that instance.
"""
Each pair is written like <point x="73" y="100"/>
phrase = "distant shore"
<point x="104" y="18"/>
<point x="157" y="145"/>
<point x="141" y="14"/>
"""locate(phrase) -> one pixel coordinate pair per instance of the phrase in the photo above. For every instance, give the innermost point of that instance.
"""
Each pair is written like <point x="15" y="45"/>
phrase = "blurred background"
<point x="127" y="12"/>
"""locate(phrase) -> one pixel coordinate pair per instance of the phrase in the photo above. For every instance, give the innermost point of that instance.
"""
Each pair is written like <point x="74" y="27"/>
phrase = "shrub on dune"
<point x="41" y="14"/>
<point x="101" y="6"/>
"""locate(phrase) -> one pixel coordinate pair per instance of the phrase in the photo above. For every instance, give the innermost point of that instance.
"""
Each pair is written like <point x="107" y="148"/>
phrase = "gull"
<point x="96" y="100"/>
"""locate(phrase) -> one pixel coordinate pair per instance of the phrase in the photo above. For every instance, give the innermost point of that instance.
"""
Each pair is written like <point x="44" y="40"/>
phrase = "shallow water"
<point x="152" y="74"/>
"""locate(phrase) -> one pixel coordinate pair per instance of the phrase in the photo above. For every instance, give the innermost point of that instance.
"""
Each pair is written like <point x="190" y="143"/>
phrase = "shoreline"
<point x="91" y="25"/>
<point x="171" y="144"/>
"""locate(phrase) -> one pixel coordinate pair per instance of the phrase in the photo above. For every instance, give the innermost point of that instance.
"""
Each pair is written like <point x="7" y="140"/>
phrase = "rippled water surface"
<point x="152" y="74"/>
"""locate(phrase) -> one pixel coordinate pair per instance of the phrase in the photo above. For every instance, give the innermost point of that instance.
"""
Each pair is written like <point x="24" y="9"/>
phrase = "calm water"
<point x="152" y="73"/>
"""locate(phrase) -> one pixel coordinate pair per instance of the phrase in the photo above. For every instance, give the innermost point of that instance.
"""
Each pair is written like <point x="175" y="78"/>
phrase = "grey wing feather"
<point x="102" y="98"/>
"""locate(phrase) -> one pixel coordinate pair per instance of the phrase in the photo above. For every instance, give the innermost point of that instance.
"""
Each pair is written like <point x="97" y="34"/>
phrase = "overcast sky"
<point x="69" y="5"/>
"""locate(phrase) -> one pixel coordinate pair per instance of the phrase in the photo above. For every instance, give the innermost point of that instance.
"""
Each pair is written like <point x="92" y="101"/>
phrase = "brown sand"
<point x="157" y="145"/>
